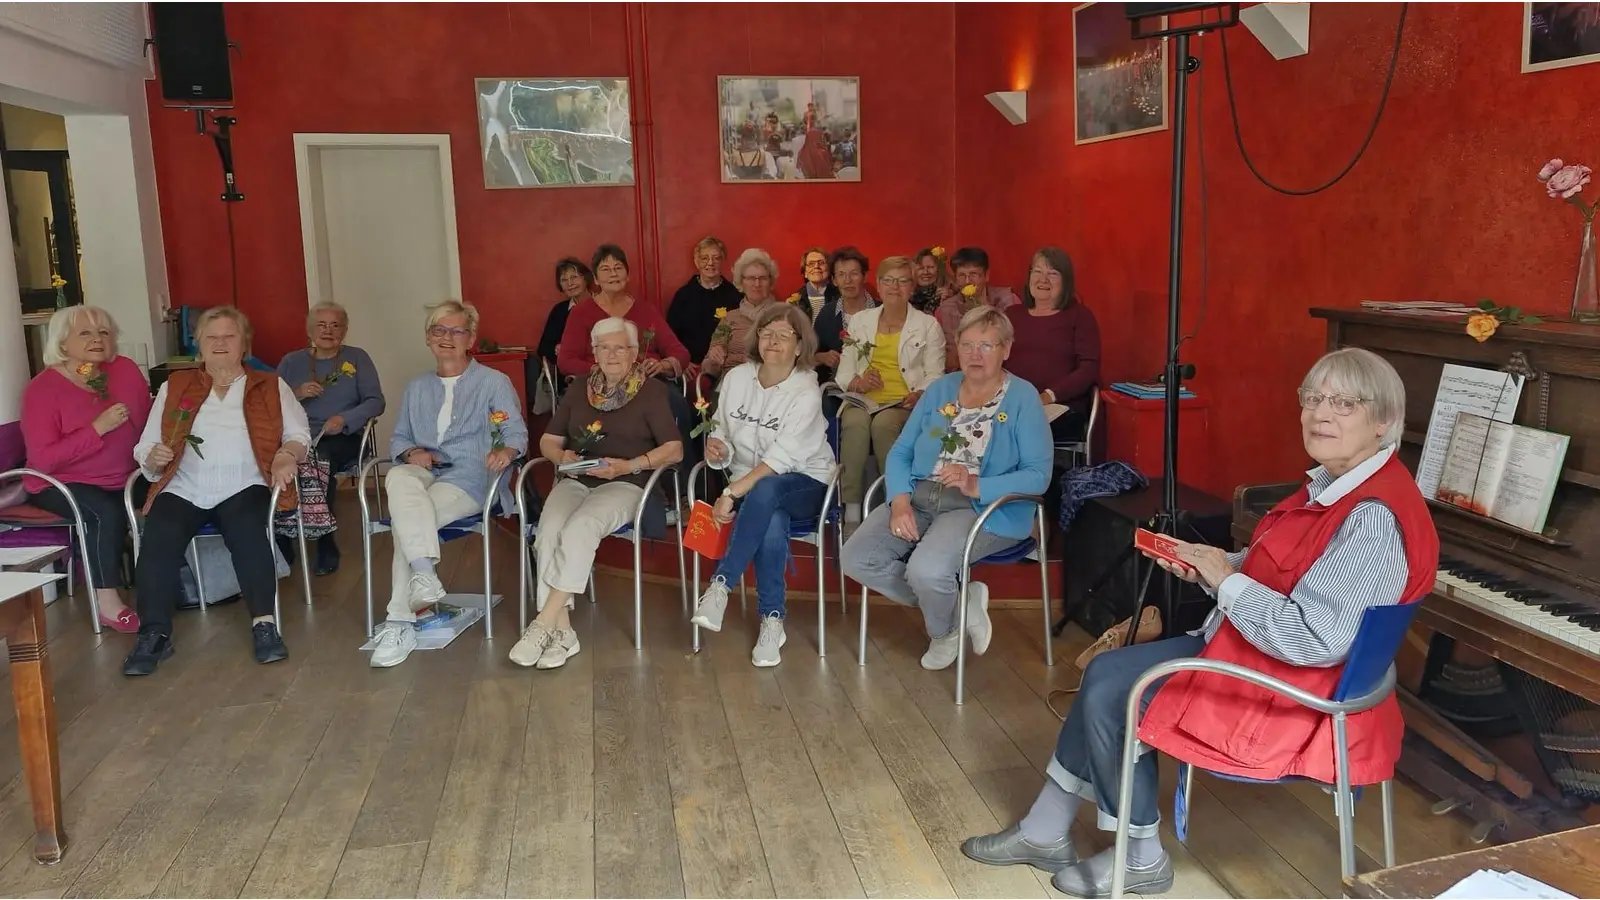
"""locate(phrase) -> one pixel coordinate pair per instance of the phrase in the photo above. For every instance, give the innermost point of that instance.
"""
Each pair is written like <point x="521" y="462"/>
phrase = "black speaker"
<point x="192" y="54"/>
<point x="1101" y="573"/>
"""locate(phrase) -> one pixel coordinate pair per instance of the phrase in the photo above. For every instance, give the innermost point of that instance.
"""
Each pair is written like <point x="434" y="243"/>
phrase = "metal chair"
<point x="631" y="532"/>
<point x="26" y="515"/>
<point x="1018" y="553"/>
<point x="813" y="531"/>
<point x="1367" y="680"/>
<point x="1081" y="452"/>
<point x="478" y="523"/>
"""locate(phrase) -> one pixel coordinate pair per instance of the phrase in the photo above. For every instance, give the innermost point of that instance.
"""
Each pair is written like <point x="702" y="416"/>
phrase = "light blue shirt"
<point x="468" y="438"/>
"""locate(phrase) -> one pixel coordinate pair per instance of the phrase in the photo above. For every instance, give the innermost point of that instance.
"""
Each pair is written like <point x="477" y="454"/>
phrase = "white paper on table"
<point x="1485" y="392"/>
<point x="1486" y="884"/>
<point x="25" y="556"/>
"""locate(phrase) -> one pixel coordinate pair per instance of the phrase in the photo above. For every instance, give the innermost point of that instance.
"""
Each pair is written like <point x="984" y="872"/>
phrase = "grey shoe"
<point x="713" y="603"/>
<point x="769" y="642"/>
<point x="942" y="651"/>
<point x="979" y="628"/>
<point x="1092" y="877"/>
<point x="1010" y="848"/>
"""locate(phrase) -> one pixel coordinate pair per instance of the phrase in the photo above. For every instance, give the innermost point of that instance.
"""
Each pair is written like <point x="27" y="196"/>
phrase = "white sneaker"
<point x="942" y="651"/>
<point x="531" y="647"/>
<point x="979" y="628"/>
<point x="394" y="642"/>
<point x="425" y="591"/>
<point x="713" y="603"/>
<point x="562" y="647"/>
<point x="769" y="642"/>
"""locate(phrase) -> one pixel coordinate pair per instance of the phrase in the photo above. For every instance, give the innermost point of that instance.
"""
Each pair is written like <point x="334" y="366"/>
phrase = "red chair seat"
<point x="31" y="516"/>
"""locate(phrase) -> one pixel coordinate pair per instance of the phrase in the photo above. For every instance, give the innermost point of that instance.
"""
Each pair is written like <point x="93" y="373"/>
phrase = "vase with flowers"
<point x="1564" y="182"/>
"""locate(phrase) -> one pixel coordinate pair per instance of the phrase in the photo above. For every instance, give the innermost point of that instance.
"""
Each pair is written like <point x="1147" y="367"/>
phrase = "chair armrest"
<point x="696" y="470"/>
<point x="361" y="487"/>
<point x="977" y="526"/>
<point x="1266" y="682"/>
<point x="650" y="485"/>
<point x="521" y="493"/>
<point x="866" y="499"/>
<point x="495" y="484"/>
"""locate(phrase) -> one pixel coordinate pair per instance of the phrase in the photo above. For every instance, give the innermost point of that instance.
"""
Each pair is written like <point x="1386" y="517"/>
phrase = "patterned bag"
<point x="315" y="514"/>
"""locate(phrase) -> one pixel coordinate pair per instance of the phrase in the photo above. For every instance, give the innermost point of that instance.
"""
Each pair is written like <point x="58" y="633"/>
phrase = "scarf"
<point x="607" y="400"/>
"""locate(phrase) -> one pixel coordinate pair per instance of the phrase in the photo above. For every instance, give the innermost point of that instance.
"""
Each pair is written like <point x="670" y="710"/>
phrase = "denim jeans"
<point x="761" y="533"/>
<point x="1088" y="760"/>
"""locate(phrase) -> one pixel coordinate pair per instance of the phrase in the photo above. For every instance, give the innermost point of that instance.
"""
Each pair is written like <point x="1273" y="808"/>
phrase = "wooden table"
<point x="33" y="692"/>
<point x="1567" y="860"/>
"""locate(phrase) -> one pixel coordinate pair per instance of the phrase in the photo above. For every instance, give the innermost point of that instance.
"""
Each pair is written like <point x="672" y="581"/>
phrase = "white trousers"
<point x="419" y="505"/>
<point x="574" y="522"/>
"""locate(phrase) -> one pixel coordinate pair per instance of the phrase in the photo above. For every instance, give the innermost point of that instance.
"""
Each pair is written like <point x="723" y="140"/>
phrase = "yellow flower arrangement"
<point x="57" y="282"/>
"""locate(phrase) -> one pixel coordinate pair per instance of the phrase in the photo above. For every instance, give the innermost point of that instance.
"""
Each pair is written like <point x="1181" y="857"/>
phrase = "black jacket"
<point x="692" y="315"/>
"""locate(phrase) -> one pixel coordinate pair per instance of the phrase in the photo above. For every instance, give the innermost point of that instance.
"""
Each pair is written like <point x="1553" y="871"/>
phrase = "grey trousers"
<point x="922" y="573"/>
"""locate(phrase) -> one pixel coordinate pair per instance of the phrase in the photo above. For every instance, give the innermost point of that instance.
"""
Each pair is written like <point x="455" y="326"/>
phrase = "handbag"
<point x="704" y="535"/>
<point x="1114" y="637"/>
<point x="313" y="475"/>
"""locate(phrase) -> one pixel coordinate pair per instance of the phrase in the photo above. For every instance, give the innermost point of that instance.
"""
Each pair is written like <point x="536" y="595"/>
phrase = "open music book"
<point x="1506" y="472"/>
<point x="1484" y="392"/>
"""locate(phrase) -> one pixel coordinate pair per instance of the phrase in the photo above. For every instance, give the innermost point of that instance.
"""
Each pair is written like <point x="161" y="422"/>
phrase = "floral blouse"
<point x="975" y="427"/>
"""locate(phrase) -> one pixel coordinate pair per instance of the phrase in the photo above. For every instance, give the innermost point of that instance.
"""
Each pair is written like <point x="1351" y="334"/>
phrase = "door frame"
<point x="310" y="236"/>
<point x="56" y="167"/>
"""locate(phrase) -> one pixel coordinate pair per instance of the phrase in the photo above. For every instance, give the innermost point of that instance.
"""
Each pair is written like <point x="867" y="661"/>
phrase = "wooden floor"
<point x="633" y="774"/>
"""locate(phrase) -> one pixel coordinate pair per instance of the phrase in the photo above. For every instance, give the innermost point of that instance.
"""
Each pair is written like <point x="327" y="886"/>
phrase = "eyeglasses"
<point x="816" y="263"/>
<point x="611" y="270"/>
<point x="756" y="278"/>
<point x="775" y="334"/>
<point x="983" y="347"/>
<point x="441" y="331"/>
<point x="611" y="349"/>
<point x="1343" y="404"/>
<point x="894" y="279"/>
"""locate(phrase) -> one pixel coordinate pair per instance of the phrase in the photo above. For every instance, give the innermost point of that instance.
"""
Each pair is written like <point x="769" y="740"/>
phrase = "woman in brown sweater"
<point x="1058" y="342"/>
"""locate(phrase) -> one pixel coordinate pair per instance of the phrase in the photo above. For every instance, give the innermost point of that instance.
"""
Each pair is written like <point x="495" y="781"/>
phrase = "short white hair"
<point x="441" y="311"/>
<point x="60" y="328"/>
<point x="615" y="323"/>
<point x="1359" y="372"/>
<point x="755" y="256"/>
<point x="325" y="306"/>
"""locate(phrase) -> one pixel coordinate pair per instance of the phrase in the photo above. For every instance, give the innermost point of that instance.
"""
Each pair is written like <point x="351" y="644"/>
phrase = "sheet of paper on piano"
<point x="1484" y="392"/>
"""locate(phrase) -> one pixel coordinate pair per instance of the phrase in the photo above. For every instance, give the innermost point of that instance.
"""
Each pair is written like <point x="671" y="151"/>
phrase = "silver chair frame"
<point x="1343" y="799"/>
<point x="1084" y="449"/>
<point x="83" y="539"/>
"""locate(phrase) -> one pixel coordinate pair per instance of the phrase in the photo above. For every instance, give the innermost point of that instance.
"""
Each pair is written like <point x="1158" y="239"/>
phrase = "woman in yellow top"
<point x="891" y="354"/>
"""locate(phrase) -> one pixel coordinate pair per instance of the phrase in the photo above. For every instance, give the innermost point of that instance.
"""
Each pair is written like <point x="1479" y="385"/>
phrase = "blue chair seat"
<point x="1012" y="554"/>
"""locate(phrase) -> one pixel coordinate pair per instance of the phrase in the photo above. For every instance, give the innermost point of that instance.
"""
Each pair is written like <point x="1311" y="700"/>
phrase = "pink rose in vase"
<point x="1550" y="168"/>
<point x="1566" y="183"/>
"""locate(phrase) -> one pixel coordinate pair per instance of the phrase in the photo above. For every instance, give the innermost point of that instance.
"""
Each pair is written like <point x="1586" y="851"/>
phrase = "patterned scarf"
<point x="608" y="399"/>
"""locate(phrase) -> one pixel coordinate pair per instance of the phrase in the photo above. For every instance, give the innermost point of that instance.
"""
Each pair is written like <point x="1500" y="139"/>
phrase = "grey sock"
<point x="422" y="565"/>
<point x="1144" y="852"/>
<point x="1052" y="813"/>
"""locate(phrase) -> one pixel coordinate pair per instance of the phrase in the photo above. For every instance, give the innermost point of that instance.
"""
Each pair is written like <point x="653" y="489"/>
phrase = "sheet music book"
<point x="855" y="399"/>
<point x="1483" y="392"/>
<point x="1505" y="472"/>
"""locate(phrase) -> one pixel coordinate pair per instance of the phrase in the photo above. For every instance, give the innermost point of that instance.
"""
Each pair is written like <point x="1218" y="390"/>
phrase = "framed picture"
<point x="1119" y="84"/>
<point x="554" y="132"/>
<point x="788" y="129"/>
<point x="1557" y="35"/>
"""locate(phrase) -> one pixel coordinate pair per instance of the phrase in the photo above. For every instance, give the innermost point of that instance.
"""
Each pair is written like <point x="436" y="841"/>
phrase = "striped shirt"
<point x="1364" y="565"/>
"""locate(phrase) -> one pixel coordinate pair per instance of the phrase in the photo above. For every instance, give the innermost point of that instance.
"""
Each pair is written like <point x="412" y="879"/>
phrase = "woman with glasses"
<point x="660" y="352"/>
<point x="846" y="294"/>
<point x="1357" y="535"/>
<point x="975" y="436"/>
<point x="756" y="275"/>
<point x="1058" y="343"/>
<point x="460" y="426"/>
<point x="772" y="441"/>
<point x="692" y="314"/>
<point x="890" y="355"/>
<point x="575" y="282"/>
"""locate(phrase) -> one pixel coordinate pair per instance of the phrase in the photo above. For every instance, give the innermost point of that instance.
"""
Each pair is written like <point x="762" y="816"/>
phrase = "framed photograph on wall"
<point x="788" y="129"/>
<point x="1119" y="84"/>
<point x="554" y="132"/>
<point x="1557" y="35"/>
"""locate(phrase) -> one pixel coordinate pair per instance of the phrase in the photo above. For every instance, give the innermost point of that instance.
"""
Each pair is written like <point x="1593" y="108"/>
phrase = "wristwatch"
<point x="634" y="463"/>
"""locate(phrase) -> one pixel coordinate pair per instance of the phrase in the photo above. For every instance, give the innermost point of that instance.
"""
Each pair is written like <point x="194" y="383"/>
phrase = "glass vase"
<point x="1586" y="295"/>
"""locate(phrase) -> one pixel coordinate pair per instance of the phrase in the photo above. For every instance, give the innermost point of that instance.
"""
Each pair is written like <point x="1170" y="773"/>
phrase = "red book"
<point x="1160" y="546"/>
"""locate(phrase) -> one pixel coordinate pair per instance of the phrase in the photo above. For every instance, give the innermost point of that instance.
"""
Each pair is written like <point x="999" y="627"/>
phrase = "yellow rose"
<point x="1482" y="326"/>
<point x="938" y="252"/>
<point x="348" y="369"/>
<point x="701" y="404"/>
<point x="56" y="281"/>
<point x="970" y="290"/>
<point x="793" y="298"/>
<point x="722" y="312"/>
<point x="948" y="410"/>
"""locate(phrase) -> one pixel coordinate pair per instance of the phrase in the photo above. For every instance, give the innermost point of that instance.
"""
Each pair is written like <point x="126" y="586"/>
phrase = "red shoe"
<point x="126" y="622"/>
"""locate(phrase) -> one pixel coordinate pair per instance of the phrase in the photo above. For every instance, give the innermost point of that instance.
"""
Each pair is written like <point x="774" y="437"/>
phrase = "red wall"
<point x="334" y="67"/>
<point x="1442" y="206"/>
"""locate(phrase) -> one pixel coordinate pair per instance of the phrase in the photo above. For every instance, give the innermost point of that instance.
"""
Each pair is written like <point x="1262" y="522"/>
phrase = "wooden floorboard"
<point x="650" y="771"/>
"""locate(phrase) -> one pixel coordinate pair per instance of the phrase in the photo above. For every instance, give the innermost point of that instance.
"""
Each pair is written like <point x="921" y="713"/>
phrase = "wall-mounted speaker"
<point x="191" y="42"/>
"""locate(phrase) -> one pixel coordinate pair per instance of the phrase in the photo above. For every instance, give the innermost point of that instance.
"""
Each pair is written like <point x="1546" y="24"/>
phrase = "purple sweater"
<point x="58" y="427"/>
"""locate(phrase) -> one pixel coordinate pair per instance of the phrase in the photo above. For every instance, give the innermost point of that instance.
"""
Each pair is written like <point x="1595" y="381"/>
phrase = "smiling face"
<point x="328" y="330"/>
<point x="1337" y="427"/>
<point x="848" y="278"/>
<point x="572" y="284"/>
<point x="614" y="354"/>
<point x="977" y="276"/>
<point x="927" y="270"/>
<point x="611" y="275"/>
<point x="221" y="343"/>
<point x="895" y="285"/>
<point x="1045" y="282"/>
<point x="89" y="340"/>
<point x="708" y="262"/>
<point x="450" y="339"/>
<point x="816" y="268"/>
<point x="780" y="346"/>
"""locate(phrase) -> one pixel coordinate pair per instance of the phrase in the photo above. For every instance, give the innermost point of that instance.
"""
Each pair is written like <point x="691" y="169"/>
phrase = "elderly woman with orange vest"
<point x="1357" y="535"/>
<point x="222" y="436"/>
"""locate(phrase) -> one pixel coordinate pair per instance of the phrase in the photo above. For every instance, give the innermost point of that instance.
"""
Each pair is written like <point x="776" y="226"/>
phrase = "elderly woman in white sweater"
<point x="771" y="437"/>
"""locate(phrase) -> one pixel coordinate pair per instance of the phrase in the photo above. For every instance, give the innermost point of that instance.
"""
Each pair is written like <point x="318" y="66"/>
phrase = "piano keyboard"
<point x="1566" y="621"/>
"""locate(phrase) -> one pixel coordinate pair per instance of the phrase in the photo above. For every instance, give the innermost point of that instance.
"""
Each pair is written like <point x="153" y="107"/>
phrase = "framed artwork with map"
<point x="555" y="132"/>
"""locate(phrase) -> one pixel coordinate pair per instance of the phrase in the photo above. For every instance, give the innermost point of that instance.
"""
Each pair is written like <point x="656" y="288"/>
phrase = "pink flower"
<point x="1566" y="183"/>
<point x="186" y="404"/>
<point x="1550" y="168"/>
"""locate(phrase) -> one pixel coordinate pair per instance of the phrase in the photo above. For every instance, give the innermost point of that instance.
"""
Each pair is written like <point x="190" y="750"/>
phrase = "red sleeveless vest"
<point x="1228" y="726"/>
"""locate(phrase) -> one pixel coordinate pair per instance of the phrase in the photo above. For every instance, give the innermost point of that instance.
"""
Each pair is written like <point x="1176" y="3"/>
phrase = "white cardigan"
<point x="921" y="348"/>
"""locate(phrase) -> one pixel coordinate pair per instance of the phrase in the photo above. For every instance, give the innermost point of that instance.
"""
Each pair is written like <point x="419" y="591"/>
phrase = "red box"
<point x="1136" y="431"/>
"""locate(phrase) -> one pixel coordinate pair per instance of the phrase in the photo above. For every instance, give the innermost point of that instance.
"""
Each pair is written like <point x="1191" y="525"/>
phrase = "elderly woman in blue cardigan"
<point x="974" y="436"/>
<point x="460" y="426"/>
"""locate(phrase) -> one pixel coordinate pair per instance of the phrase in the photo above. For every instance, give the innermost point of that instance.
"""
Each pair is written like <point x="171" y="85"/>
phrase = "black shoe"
<point x="149" y="649"/>
<point x="327" y="555"/>
<point x="269" y="643"/>
<point x="286" y="547"/>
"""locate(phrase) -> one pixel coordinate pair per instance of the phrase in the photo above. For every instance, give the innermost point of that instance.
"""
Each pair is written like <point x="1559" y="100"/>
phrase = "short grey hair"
<point x="1361" y="373"/>
<point x="325" y="306"/>
<point x="440" y="311"/>
<point x="612" y="324"/>
<point x="60" y="328"/>
<point x="755" y="256"/>
<point x="985" y="316"/>
<point x="805" y="335"/>
<point x="246" y="332"/>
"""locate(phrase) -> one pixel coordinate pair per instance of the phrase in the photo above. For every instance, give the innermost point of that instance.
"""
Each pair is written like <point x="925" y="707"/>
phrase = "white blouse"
<point x="225" y="463"/>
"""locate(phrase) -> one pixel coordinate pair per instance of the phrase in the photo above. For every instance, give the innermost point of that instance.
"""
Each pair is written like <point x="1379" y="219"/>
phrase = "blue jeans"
<point x="1088" y="760"/>
<point x="761" y="533"/>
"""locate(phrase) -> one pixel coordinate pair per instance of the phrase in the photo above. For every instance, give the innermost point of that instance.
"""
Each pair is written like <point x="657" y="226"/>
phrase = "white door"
<point x="382" y="243"/>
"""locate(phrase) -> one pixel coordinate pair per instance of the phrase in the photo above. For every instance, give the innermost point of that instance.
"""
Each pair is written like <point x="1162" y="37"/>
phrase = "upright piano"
<point x="1529" y="601"/>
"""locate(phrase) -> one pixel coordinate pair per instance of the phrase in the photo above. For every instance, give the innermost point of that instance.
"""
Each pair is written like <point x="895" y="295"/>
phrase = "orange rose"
<point x="1482" y="326"/>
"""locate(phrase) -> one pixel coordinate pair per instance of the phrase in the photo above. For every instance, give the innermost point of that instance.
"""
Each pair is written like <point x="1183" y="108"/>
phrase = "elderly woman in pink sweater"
<point x="81" y="417"/>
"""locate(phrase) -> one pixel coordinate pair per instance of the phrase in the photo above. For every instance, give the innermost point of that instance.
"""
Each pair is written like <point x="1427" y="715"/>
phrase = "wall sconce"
<point x="1012" y="104"/>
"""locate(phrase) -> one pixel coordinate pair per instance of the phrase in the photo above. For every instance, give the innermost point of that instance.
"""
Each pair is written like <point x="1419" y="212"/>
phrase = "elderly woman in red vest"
<point x="221" y="437"/>
<point x="1357" y="535"/>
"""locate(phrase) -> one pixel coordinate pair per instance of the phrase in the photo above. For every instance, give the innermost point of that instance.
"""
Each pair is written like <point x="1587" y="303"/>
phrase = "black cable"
<point x="1233" y="111"/>
<point x="233" y="254"/>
